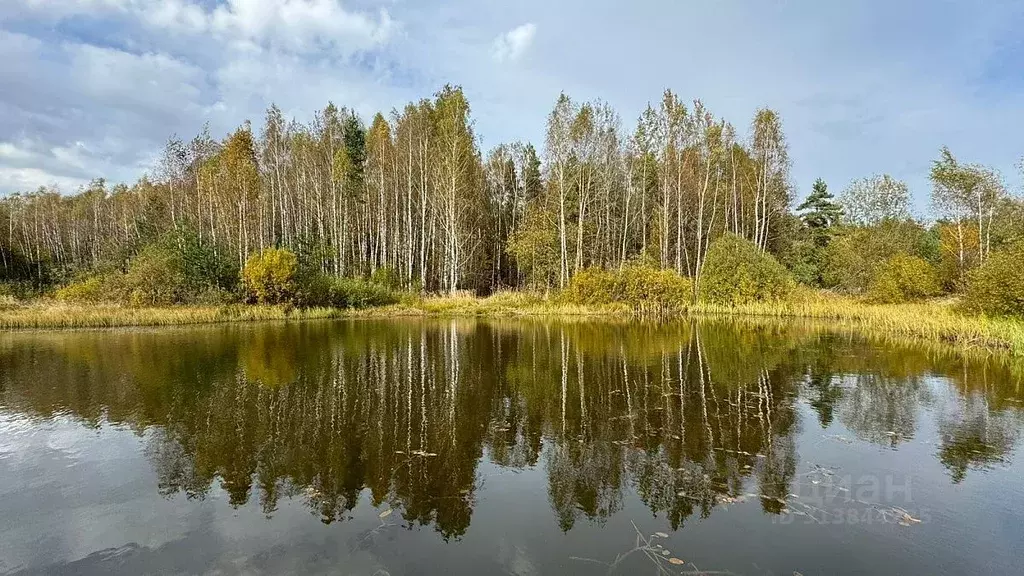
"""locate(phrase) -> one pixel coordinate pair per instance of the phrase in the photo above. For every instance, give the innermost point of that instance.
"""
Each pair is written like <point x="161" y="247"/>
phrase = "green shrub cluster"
<point x="316" y="289"/>
<point x="996" y="287"/>
<point x="646" y="289"/>
<point x="737" y="272"/>
<point x="177" y="269"/>
<point x="902" y="278"/>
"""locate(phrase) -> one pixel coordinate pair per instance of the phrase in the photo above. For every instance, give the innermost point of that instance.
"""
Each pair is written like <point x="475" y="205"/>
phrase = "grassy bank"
<point x="935" y="321"/>
<point x="51" y="315"/>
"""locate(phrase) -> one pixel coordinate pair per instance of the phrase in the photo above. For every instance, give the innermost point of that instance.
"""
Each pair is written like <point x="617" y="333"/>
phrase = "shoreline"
<point x="932" y="321"/>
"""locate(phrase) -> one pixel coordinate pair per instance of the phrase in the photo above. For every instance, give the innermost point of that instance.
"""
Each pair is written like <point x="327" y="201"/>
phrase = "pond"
<point x="472" y="446"/>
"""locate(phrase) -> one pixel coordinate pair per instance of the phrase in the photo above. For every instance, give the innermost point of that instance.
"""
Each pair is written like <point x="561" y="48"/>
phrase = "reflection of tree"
<point x="824" y="388"/>
<point x="976" y="438"/>
<point x="686" y="415"/>
<point x="881" y="409"/>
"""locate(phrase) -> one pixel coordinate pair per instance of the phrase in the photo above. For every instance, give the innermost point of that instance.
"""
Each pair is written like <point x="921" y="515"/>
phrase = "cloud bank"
<point x="93" y="88"/>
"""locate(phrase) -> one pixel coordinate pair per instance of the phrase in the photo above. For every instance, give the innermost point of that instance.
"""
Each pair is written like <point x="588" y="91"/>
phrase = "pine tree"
<point x="820" y="212"/>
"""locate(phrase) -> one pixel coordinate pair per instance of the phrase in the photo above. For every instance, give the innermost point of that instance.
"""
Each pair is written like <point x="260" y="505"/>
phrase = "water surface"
<point x="504" y="447"/>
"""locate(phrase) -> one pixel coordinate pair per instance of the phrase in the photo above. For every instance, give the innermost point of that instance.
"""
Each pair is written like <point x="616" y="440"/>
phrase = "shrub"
<point x="902" y="278"/>
<point x="155" y="277"/>
<point x="997" y="286"/>
<point x="737" y="272"/>
<point x="209" y="274"/>
<point x="315" y="289"/>
<point x="87" y="290"/>
<point x="17" y="290"/>
<point x="651" y="290"/>
<point x="269" y="277"/>
<point x="359" y="293"/>
<point x="646" y="289"/>
<point x="853" y="258"/>
<point x="591" y="286"/>
<point x="386" y="277"/>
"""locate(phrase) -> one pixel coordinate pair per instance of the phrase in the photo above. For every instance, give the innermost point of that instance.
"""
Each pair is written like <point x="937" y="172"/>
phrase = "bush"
<point x="591" y="286"/>
<point x="386" y="277"/>
<point x="16" y="290"/>
<point x="156" y="277"/>
<point x="853" y="258"/>
<point x="646" y="289"/>
<point x="87" y="290"/>
<point x="359" y="293"/>
<point x="651" y="290"/>
<point x="902" y="278"/>
<point x="269" y="277"/>
<point x="997" y="286"/>
<point x="210" y="275"/>
<point x="315" y="289"/>
<point x="737" y="272"/>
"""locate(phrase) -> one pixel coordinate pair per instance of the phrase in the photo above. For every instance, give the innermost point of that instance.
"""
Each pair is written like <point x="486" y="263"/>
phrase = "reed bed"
<point x="51" y="315"/>
<point x="935" y="321"/>
<point x="500" y="304"/>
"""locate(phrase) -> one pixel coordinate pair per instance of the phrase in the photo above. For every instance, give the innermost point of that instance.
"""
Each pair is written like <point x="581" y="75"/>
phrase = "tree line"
<point x="412" y="198"/>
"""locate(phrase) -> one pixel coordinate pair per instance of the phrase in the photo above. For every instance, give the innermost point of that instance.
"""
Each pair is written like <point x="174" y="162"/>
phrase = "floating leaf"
<point x="675" y="561"/>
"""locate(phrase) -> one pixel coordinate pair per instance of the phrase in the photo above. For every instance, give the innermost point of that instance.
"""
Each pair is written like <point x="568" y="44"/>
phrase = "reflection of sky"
<point x="80" y="500"/>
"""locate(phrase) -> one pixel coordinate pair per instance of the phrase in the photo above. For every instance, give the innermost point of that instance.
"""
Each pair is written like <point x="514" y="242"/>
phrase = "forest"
<point x="338" y="212"/>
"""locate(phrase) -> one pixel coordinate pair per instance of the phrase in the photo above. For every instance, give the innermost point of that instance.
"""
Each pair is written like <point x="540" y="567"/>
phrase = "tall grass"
<point x="503" y="303"/>
<point x="39" y="315"/>
<point x="937" y="321"/>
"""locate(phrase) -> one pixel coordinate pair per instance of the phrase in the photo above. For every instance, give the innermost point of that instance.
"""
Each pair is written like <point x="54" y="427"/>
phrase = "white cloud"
<point x="859" y="91"/>
<point x="296" y="25"/>
<point x="511" y="45"/>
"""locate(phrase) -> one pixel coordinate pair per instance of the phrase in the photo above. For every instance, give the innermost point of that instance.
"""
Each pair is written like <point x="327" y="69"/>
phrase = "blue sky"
<point x="95" y="87"/>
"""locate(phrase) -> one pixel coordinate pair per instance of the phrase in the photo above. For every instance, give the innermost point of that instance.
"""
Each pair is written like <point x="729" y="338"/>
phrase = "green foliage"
<point x="206" y="270"/>
<point x="852" y="259"/>
<point x="359" y="293"/>
<point x="996" y="287"/>
<point x="736" y="272"/>
<point x="534" y="246"/>
<point x="646" y="289"/>
<point x="386" y="277"/>
<point x="319" y="290"/>
<point x="155" y="277"/>
<point x="820" y="211"/>
<point x="176" y="269"/>
<point x="902" y="278"/>
<point x="269" y="277"/>
<point x="17" y="290"/>
<point x="804" y="261"/>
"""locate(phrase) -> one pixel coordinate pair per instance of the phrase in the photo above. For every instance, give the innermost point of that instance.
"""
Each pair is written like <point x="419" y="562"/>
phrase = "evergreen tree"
<point x="820" y="212"/>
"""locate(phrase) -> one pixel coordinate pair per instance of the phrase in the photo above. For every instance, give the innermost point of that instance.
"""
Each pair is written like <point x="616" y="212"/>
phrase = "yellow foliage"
<point x="269" y="276"/>
<point x="902" y="278"/>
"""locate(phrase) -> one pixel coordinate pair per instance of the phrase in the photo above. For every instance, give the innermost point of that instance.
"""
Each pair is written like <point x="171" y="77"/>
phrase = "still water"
<point x="504" y="447"/>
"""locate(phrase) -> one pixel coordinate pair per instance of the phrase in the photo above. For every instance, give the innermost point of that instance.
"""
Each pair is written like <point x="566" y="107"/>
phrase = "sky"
<point x="94" y="88"/>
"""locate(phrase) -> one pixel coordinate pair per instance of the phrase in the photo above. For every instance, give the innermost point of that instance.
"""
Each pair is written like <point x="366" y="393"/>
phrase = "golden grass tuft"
<point x="49" y="314"/>
<point x="935" y="320"/>
<point x="502" y="303"/>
